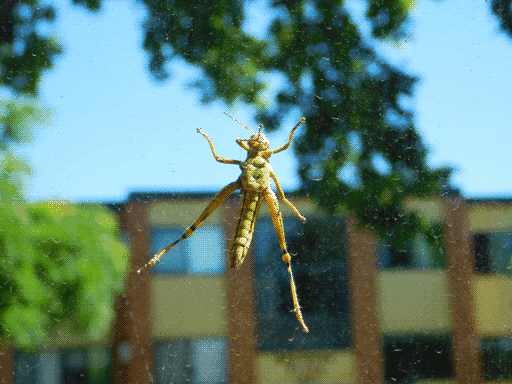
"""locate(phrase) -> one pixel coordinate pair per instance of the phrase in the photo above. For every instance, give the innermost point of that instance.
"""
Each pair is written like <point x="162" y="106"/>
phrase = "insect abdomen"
<point x="249" y="207"/>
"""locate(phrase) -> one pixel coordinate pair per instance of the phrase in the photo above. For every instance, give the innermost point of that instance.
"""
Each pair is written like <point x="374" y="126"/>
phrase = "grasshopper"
<point x="254" y="185"/>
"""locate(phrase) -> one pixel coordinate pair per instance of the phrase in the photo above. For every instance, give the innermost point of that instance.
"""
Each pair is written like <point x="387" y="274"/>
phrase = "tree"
<point x="60" y="264"/>
<point x="503" y="10"/>
<point x="361" y="151"/>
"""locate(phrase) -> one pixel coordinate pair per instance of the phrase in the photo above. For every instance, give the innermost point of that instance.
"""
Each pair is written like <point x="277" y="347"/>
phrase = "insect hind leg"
<point x="188" y="232"/>
<point x="277" y="219"/>
<point x="212" y="206"/>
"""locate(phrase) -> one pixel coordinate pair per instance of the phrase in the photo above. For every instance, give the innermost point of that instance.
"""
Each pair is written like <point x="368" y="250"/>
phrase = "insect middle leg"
<point x="212" y="206"/>
<point x="280" y="192"/>
<point x="277" y="219"/>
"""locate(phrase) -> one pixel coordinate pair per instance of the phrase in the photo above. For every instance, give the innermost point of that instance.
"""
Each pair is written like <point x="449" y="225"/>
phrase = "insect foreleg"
<point x="278" y="225"/>
<point x="241" y="143"/>
<point x="212" y="206"/>
<point x="282" y="196"/>
<point x="220" y="159"/>
<point x="287" y="145"/>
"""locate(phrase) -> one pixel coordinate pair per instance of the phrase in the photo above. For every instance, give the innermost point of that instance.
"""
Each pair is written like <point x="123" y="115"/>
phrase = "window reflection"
<point x="191" y="360"/>
<point x="200" y="254"/>
<point x="421" y="252"/>
<point x="318" y="262"/>
<point x="173" y="362"/>
<point x="25" y="367"/>
<point x="408" y="359"/>
<point x="493" y="252"/>
<point x="497" y="359"/>
<point x="69" y="366"/>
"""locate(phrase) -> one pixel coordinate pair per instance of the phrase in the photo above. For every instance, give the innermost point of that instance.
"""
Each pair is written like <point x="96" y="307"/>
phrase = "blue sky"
<point x="116" y="130"/>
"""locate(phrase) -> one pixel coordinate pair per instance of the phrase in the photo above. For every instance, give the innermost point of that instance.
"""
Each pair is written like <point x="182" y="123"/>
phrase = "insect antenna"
<point x="250" y="130"/>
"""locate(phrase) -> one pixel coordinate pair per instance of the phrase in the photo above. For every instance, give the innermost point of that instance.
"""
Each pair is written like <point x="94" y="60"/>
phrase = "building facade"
<point x="422" y="314"/>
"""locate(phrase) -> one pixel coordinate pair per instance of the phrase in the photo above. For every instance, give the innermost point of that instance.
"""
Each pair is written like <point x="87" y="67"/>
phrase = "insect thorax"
<point x="256" y="173"/>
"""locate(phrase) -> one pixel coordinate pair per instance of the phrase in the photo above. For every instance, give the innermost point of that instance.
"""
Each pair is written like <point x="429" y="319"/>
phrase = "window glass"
<point x="493" y="252"/>
<point x="173" y="362"/>
<point x="209" y="361"/>
<point x="391" y="257"/>
<point x="174" y="261"/>
<point x="50" y="368"/>
<point x="497" y="359"/>
<point x="419" y="253"/>
<point x="206" y="250"/>
<point x="202" y="253"/>
<point x="481" y="251"/>
<point x="408" y="359"/>
<point x="92" y="366"/>
<point x="25" y="367"/>
<point x="191" y="360"/>
<point x="501" y="251"/>
<point x="74" y="367"/>
<point x="124" y="236"/>
<point x="318" y="264"/>
<point x="99" y="365"/>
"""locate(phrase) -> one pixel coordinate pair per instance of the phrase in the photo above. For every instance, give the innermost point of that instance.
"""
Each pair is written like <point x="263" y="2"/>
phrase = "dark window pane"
<point x="500" y="251"/>
<point x="481" y="249"/>
<point x="497" y="359"/>
<point x="25" y="368"/>
<point x="318" y="262"/>
<point x="399" y="258"/>
<point x="74" y="367"/>
<point x="391" y="257"/>
<point x="99" y="365"/>
<point x="411" y="358"/>
<point x="424" y="251"/>
<point x="173" y="362"/>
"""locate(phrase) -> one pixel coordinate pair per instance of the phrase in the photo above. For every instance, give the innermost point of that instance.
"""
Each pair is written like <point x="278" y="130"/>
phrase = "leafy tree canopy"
<point x="361" y="150"/>
<point x="60" y="268"/>
<point x="503" y="9"/>
<point x="60" y="264"/>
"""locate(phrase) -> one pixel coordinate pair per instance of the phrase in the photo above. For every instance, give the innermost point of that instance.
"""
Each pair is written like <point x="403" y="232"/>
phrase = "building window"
<point x="493" y="252"/>
<point x="25" y="367"/>
<point x="391" y="257"/>
<point x="75" y="367"/>
<point x="173" y="362"/>
<point x="497" y="359"/>
<point x="422" y="252"/>
<point x="50" y="367"/>
<point x="408" y="359"/>
<point x="99" y="365"/>
<point x="191" y="360"/>
<point x="203" y="253"/>
<point x="318" y="263"/>
<point x="209" y="359"/>
<point x="91" y="366"/>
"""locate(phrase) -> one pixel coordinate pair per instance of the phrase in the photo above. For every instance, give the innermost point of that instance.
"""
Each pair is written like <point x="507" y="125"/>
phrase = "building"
<point x="422" y="314"/>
